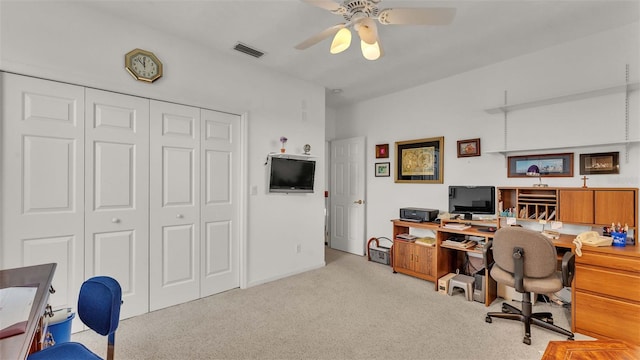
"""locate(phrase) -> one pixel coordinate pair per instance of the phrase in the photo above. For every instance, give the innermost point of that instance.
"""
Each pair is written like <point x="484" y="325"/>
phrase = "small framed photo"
<point x="469" y="147"/>
<point x="600" y="163"/>
<point x="382" y="169"/>
<point x="382" y="151"/>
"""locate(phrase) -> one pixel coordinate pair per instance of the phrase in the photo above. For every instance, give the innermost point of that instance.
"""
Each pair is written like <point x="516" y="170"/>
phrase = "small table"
<point x="591" y="350"/>
<point x="19" y="346"/>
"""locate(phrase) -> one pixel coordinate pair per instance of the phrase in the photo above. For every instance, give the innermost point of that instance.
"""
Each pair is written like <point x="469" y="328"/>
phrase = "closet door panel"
<point x="175" y="204"/>
<point x="42" y="180"/>
<point x="117" y="194"/>
<point x="220" y="208"/>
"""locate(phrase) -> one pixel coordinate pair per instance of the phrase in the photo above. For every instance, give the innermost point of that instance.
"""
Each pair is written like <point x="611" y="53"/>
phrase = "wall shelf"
<point x="292" y="156"/>
<point x="565" y="98"/>
<point x="621" y="142"/>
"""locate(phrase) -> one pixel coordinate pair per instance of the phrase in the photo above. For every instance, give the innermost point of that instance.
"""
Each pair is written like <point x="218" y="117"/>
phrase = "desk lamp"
<point x="534" y="170"/>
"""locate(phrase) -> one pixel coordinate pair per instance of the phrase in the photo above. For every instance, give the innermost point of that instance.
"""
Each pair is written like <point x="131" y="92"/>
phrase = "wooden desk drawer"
<point x="627" y="263"/>
<point x="601" y="317"/>
<point x="605" y="281"/>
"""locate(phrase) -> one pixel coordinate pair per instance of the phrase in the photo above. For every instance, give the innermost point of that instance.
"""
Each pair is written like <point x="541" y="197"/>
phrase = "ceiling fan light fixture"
<point x="341" y="41"/>
<point x="370" y="51"/>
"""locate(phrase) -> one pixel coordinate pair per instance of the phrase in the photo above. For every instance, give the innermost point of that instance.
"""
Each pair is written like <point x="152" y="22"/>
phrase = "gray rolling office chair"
<point x="527" y="261"/>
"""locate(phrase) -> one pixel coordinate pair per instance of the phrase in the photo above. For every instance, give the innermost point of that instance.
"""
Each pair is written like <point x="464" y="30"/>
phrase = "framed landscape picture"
<point x="420" y="161"/>
<point x="551" y="165"/>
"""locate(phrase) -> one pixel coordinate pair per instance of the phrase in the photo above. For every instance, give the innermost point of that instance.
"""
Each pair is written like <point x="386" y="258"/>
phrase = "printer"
<point x="418" y="214"/>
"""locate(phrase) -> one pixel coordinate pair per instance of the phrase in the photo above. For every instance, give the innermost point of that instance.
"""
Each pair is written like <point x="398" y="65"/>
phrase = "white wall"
<point x="71" y="43"/>
<point x="455" y="108"/>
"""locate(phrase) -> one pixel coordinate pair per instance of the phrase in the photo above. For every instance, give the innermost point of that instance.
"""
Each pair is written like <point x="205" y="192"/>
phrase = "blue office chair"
<point x="99" y="308"/>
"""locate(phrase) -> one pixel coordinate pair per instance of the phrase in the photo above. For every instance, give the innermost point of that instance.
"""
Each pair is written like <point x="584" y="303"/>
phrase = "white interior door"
<point x="219" y="209"/>
<point x="346" y="195"/>
<point x="174" y="204"/>
<point x="117" y="194"/>
<point x="43" y="180"/>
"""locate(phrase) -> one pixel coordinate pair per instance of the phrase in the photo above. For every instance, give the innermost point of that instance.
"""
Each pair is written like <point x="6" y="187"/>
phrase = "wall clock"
<point x="143" y="65"/>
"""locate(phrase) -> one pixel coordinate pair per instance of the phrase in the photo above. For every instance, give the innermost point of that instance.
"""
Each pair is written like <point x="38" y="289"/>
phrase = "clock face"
<point x="143" y="65"/>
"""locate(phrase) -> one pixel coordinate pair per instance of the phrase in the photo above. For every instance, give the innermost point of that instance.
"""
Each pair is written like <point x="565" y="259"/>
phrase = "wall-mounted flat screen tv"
<point x="288" y="175"/>
<point x="472" y="199"/>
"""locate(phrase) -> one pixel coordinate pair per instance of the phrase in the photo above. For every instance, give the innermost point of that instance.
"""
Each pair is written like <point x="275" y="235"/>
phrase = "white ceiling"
<point x="483" y="32"/>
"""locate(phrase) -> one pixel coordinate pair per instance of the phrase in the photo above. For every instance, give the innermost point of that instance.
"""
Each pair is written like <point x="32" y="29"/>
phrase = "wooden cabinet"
<point x="616" y="205"/>
<point x="415" y="260"/>
<point x="590" y="206"/>
<point x="412" y="259"/>
<point x="598" y="206"/>
<point x="606" y="296"/>
<point x="576" y="206"/>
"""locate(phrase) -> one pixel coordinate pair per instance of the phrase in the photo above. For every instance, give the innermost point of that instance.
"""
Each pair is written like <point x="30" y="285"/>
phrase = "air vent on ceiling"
<point x="248" y="50"/>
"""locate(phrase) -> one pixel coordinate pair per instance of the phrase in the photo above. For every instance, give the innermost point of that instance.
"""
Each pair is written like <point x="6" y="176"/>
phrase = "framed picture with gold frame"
<point x="420" y="161"/>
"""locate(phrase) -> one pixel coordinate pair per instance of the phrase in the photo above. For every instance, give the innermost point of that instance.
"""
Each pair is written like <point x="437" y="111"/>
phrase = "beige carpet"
<point x="350" y="309"/>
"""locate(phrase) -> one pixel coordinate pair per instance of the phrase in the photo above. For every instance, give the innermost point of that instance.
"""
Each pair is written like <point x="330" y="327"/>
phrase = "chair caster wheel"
<point x="527" y="340"/>
<point x="488" y="319"/>
<point x="549" y="321"/>
<point x="505" y="309"/>
<point x="570" y="338"/>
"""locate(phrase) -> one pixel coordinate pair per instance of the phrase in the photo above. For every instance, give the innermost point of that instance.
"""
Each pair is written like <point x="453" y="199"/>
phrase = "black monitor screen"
<point x="291" y="175"/>
<point x="472" y="199"/>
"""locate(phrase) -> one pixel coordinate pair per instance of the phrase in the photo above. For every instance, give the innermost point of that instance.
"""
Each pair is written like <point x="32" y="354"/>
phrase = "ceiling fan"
<point x="360" y="14"/>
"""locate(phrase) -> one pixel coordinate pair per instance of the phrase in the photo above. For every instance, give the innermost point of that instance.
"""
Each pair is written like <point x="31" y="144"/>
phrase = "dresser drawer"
<point x="626" y="263"/>
<point x="607" y="318"/>
<point x="613" y="283"/>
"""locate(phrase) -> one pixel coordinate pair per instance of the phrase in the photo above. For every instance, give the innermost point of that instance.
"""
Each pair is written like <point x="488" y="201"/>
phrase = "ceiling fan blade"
<point x="319" y="37"/>
<point x="417" y="16"/>
<point x="367" y="30"/>
<point x="324" y="4"/>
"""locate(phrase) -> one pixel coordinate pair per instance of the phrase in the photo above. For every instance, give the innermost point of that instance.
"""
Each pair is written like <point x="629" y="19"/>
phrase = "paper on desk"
<point x="15" y="306"/>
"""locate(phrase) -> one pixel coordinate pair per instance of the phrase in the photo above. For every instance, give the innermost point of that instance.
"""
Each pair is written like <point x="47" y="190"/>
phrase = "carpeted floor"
<point x="350" y="309"/>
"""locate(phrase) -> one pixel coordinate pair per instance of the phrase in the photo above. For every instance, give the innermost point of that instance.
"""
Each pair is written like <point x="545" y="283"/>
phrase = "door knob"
<point x="358" y="202"/>
<point x="179" y="216"/>
<point x="115" y="220"/>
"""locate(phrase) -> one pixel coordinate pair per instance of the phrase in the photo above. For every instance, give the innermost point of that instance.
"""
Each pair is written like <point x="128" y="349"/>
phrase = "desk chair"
<point x="99" y="308"/>
<point x="527" y="261"/>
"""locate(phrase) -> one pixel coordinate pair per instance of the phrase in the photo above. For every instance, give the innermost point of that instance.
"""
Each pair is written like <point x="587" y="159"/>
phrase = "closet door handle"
<point x="179" y="216"/>
<point x="115" y="220"/>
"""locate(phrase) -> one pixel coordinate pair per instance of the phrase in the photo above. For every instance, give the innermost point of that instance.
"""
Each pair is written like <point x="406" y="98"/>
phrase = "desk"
<point x="431" y="263"/>
<point x="19" y="346"/>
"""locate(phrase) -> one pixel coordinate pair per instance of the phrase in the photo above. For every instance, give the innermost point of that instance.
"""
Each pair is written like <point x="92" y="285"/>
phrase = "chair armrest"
<point x="487" y="256"/>
<point x="568" y="268"/>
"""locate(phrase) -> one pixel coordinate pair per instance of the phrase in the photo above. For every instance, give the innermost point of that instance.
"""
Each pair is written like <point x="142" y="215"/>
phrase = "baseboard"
<point x="282" y="276"/>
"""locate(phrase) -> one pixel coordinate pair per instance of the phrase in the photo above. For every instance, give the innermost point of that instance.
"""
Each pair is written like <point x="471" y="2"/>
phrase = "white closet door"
<point x="43" y="180"/>
<point x="175" y="204"/>
<point x="220" y="197"/>
<point x="117" y="194"/>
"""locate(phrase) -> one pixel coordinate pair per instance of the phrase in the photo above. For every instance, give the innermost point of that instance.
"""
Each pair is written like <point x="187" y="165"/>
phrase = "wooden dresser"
<point x="606" y="293"/>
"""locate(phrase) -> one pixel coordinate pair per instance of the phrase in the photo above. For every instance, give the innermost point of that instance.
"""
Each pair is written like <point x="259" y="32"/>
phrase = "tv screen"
<point x="472" y="199"/>
<point x="288" y="175"/>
